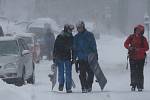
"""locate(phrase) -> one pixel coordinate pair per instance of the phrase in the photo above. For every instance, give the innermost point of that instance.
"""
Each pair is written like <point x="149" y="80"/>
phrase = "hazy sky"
<point x="109" y="13"/>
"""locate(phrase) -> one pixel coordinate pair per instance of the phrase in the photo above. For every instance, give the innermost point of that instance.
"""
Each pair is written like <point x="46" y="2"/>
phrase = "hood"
<point x="140" y="29"/>
<point x="8" y="59"/>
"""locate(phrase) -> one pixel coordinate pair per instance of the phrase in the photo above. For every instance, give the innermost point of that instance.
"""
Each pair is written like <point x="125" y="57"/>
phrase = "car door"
<point x="27" y="59"/>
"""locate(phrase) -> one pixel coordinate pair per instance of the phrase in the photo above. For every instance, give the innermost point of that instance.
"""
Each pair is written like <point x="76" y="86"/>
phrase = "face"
<point x="80" y="29"/>
<point x="137" y="31"/>
<point x="70" y="30"/>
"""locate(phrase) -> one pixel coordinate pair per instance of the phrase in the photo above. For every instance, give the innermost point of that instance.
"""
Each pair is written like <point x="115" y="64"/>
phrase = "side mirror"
<point x="24" y="52"/>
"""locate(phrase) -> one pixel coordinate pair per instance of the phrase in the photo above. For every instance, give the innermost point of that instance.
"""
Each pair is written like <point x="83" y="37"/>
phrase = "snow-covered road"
<point x="112" y="58"/>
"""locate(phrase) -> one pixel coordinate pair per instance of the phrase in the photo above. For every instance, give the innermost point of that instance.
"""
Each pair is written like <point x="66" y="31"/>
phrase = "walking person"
<point x="137" y="46"/>
<point x="1" y="31"/>
<point x="62" y="56"/>
<point x="84" y="44"/>
<point x="49" y="41"/>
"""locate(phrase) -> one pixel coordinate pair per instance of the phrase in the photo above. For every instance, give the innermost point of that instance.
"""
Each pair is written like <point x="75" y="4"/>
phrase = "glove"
<point x="131" y="48"/>
<point x="77" y="66"/>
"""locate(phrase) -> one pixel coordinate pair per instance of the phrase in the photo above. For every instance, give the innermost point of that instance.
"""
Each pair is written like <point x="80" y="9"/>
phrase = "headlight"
<point x="10" y="65"/>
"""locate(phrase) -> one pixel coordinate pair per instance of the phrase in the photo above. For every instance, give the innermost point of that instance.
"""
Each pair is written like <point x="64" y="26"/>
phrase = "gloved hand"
<point x="131" y="48"/>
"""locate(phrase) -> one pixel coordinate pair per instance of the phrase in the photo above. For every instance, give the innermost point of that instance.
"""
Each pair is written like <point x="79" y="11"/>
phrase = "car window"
<point x="24" y="44"/>
<point x="9" y="47"/>
<point x="28" y="40"/>
<point x="20" y="45"/>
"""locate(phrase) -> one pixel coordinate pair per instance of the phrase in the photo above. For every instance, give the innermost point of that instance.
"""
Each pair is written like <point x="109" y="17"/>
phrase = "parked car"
<point x="16" y="64"/>
<point x="33" y="44"/>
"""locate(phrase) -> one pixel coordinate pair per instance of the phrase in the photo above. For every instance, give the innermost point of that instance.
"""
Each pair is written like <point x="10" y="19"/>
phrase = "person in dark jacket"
<point x="1" y="31"/>
<point x="49" y="39"/>
<point x="84" y="44"/>
<point x="62" y="56"/>
<point x="137" y="46"/>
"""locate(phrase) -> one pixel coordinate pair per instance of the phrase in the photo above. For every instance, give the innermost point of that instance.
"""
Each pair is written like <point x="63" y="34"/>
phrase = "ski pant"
<point x="64" y="73"/>
<point x="136" y="73"/>
<point x="86" y="74"/>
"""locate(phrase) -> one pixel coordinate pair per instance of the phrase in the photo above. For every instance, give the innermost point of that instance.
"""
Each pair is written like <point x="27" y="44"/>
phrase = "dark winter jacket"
<point x="139" y="44"/>
<point x="49" y="40"/>
<point x="84" y="44"/>
<point x="63" y="46"/>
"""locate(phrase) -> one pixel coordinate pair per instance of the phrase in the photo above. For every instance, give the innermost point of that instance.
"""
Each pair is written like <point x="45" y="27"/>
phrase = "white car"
<point x="16" y="64"/>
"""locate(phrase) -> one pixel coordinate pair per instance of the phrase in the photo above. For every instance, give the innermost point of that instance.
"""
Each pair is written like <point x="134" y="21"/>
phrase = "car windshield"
<point x="8" y="48"/>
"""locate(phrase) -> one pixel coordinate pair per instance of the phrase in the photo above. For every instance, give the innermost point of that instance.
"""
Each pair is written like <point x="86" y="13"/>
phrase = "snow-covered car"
<point x="32" y="42"/>
<point x="16" y="64"/>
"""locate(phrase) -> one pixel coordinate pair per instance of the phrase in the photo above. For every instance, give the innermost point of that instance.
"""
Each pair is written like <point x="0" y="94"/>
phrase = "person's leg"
<point x="60" y="64"/>
<point x="82" y="76"/>
<point x="89" y="78"/>
<point x="68" y="69"/>
<point x="133" y="74"/>
<point x="140" y="83"/>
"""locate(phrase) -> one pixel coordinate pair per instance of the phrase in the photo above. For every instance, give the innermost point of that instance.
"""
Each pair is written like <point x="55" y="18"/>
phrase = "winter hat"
<point x="71" y="27"/>
<point x="80" y="24"/>
<point x="68" y="27"/>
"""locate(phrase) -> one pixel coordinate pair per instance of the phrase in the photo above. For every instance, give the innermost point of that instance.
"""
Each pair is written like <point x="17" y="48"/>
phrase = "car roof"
<point x="8" y="38"/>
<point x="25" y="34"/>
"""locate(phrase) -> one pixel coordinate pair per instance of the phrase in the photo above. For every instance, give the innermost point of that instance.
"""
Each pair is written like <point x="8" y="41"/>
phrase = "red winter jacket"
<point x="140" y="44"/>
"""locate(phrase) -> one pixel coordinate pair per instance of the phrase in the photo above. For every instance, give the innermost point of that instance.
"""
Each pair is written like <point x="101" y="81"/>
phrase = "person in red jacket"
<point x="137" y="46"/>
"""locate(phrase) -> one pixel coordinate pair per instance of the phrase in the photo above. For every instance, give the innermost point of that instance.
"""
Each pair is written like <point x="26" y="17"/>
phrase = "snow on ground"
<point x="112" y="58"/>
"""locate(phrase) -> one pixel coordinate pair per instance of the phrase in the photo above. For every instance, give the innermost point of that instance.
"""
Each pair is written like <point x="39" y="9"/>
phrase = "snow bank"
<point x="11" y="92"/>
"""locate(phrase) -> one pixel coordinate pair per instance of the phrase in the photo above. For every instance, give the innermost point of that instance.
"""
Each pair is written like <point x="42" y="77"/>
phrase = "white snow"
<point x="40" y="22"/>
<point x="112" y="58"/>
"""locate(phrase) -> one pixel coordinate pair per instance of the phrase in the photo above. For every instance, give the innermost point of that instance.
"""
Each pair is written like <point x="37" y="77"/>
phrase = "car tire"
<point x="21" y="81"/>
<point x="31" y="80"/>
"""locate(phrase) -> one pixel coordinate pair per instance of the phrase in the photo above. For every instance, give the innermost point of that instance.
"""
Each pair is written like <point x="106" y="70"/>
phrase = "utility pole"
<point x="147" y="26"/>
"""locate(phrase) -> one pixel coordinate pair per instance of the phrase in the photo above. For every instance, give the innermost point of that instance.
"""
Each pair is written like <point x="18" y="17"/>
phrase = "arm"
<point x="145" y="46"/>
<point x="74" y="48"/>
<point x="55" y="49"/>
<point x="127" y="43"/>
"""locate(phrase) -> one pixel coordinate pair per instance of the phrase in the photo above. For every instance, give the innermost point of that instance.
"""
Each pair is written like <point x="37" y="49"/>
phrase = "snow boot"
<point x="61" y="87"/>
<point x="140" y="90"/>
<point x="84" y="90"/>
<point x="89" y="89"/>
<point x="69" y="91"/>
<point x="133" y="88"/>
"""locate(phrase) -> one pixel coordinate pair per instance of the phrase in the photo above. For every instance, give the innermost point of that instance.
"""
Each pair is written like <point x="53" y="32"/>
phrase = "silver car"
<point x="16" y="64"/>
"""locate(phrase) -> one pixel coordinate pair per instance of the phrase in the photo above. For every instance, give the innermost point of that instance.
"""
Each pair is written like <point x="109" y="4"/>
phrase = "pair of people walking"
<point x="69" y="48"/>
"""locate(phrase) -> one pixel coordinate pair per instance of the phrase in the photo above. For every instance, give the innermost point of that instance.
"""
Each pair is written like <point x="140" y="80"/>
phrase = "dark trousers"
<point x="137" y="76"/>
<point x="86" y="74"/>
